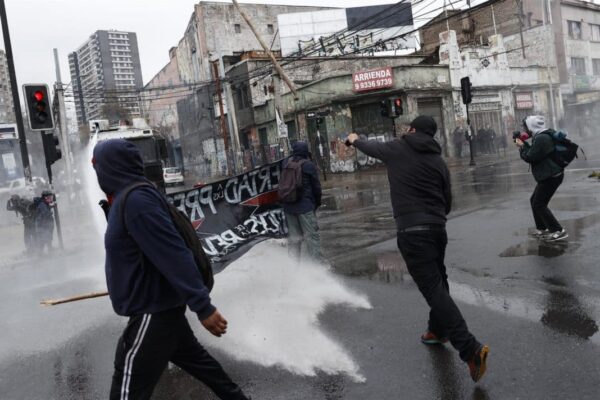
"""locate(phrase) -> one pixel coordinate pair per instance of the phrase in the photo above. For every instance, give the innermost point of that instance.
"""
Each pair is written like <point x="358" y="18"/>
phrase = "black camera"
<point x="523" y="136"/>
<point x="516" y="135"/>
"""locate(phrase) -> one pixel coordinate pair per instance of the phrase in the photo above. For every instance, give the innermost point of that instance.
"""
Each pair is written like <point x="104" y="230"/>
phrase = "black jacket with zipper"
<point x="418" y="175"/>
<point x="539" y="156"/>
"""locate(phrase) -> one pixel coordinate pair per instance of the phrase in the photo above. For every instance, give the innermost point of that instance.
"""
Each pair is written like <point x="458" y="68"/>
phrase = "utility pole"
<point x="15" y="93"/>
<point x="62" y="117"/>
<point x="267" y="50"/>
<point x="224" y="130"/>
<point x="520" y="14"/>
<point x="232" y="120"/>
<point x="550" y="85"/>
<point x="280" y="72"/>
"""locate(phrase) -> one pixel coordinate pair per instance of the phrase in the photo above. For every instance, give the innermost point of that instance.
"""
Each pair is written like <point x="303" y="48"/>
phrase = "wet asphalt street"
<point x="537" y="306"/>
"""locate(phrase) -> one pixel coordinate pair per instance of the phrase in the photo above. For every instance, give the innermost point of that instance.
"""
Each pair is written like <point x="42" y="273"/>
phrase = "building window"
<point x="574" y="29"/>
<point x="238" y="28"/>
<point x="577" y="66"/>
<point x="270" y="29"/>
<point x="263" y="137"/>
<point x="595" y="32"/>
<point x="596" y="66"/>
<point x="243" y="97"/>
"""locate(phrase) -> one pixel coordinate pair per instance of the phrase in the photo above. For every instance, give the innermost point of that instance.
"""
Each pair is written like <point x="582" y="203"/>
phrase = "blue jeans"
<point x="304" y="228"/>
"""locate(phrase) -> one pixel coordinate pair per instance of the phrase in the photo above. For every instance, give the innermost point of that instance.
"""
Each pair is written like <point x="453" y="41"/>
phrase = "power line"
<point x="100" y="96"/>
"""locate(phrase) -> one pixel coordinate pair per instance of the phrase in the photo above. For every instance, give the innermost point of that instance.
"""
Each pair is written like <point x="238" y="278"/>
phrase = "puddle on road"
<point x="570" y="203"/>
<point x="388" y="267"/>
<point x="534" y="247"/>
<point x="537" y="248"/>
<point x="565" y="314"/>
<point x="349" y="199"/>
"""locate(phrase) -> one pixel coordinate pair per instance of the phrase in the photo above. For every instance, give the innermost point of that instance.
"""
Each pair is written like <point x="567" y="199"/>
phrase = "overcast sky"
<point x="38" y="26"/>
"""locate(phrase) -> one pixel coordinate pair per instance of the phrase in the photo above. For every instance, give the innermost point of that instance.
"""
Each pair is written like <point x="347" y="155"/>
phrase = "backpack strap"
<point x="123" y="200"/>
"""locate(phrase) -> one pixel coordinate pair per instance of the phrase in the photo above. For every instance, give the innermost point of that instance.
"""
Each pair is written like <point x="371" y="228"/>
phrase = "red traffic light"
<point x="39" y="111"/>
<point x="38" y="95"/>
<point x="398" y="102"/>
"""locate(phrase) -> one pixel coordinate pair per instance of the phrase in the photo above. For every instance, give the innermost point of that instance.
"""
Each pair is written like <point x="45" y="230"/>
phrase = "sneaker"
<point x="478" y="363"/>
<point x="538" y="233"/>
<point x="430" y="338"/>
<point x="555" y="236"/>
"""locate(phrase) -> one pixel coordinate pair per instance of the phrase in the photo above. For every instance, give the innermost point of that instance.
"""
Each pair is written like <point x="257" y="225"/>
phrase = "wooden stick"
<point x="74" y="298"/>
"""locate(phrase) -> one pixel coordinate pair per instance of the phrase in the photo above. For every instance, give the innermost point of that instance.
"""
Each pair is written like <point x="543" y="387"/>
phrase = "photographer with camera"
<point x="547" y="173"/>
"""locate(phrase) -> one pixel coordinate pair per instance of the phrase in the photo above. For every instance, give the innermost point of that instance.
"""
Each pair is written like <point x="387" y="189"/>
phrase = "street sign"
<point x="524" y="101"/>
<point x="8" y="131"/>
<point x="374" y="79"/>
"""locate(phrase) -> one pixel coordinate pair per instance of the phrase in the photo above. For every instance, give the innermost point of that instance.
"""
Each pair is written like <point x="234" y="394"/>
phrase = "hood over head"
<point x="422" y="143"/>
<point x="118" y="163"/>
<point x="424" y="124"/>
<point x="534" y="124"/>
<point x="300" y="149"/>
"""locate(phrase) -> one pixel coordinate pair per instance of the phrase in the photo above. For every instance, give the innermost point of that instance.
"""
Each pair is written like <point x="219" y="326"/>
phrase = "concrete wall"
<point x="539" y="50"/>
<point x="196" y="125"/>
<point x="476" y="26"/>
<point x="189" y="60"/>
<point x="217" y="35"/>
<point x="586" y="48"/>
<point x="495" y="79"/>
<point x="160" y="106"/>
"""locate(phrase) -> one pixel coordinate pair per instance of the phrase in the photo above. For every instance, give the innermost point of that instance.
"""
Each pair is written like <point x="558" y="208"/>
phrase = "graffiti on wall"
<point x="363" y="159"/>
<point x="342" y="158"/>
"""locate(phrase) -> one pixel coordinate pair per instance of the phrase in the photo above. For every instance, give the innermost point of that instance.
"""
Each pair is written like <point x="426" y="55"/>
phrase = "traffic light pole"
<point x="472" y="162"/>
<point x="58" y="226"/>
<point x="48" y="163"/>
<point x="15" y="93"/>
<point x="62" y="117"/>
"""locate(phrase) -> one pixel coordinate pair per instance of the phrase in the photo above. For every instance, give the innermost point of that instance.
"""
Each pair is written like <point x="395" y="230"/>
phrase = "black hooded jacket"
<point x="148" y="266"/>
<point x="311" y="186"/>
<point x="419" y="178"/>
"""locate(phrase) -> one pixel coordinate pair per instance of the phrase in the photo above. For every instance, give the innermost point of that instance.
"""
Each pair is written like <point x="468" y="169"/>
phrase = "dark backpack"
<point x="186" y="230"/>
<point x="290" y="183"/>
<point x="565" y="150"/>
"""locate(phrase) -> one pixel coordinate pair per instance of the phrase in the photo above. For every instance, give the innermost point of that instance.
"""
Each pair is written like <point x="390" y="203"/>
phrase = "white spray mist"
<point x="272" y="304"/>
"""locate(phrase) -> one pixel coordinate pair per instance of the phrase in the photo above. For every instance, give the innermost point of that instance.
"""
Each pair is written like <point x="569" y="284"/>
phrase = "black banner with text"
<point x="232" y="215"/>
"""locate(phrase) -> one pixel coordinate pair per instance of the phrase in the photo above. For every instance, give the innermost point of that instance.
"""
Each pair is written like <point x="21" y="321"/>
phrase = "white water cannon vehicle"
<point x="152" y="146"/>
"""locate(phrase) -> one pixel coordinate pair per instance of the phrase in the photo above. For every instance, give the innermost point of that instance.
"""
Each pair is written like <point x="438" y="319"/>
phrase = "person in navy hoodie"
<point x="151" y="276"/>
<point x="301" y="215"/>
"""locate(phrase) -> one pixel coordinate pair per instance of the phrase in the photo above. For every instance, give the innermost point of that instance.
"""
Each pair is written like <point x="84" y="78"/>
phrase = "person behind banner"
<point x="151" y="276"/>
<point x="421" y="199"/>
<point x="300" y="205"/>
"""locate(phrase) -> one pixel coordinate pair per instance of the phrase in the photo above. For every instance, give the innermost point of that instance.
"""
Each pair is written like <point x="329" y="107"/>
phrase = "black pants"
<point x="149" y="342"/>
<point x="544" y="219"/>
<point x="423" y="252"/>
